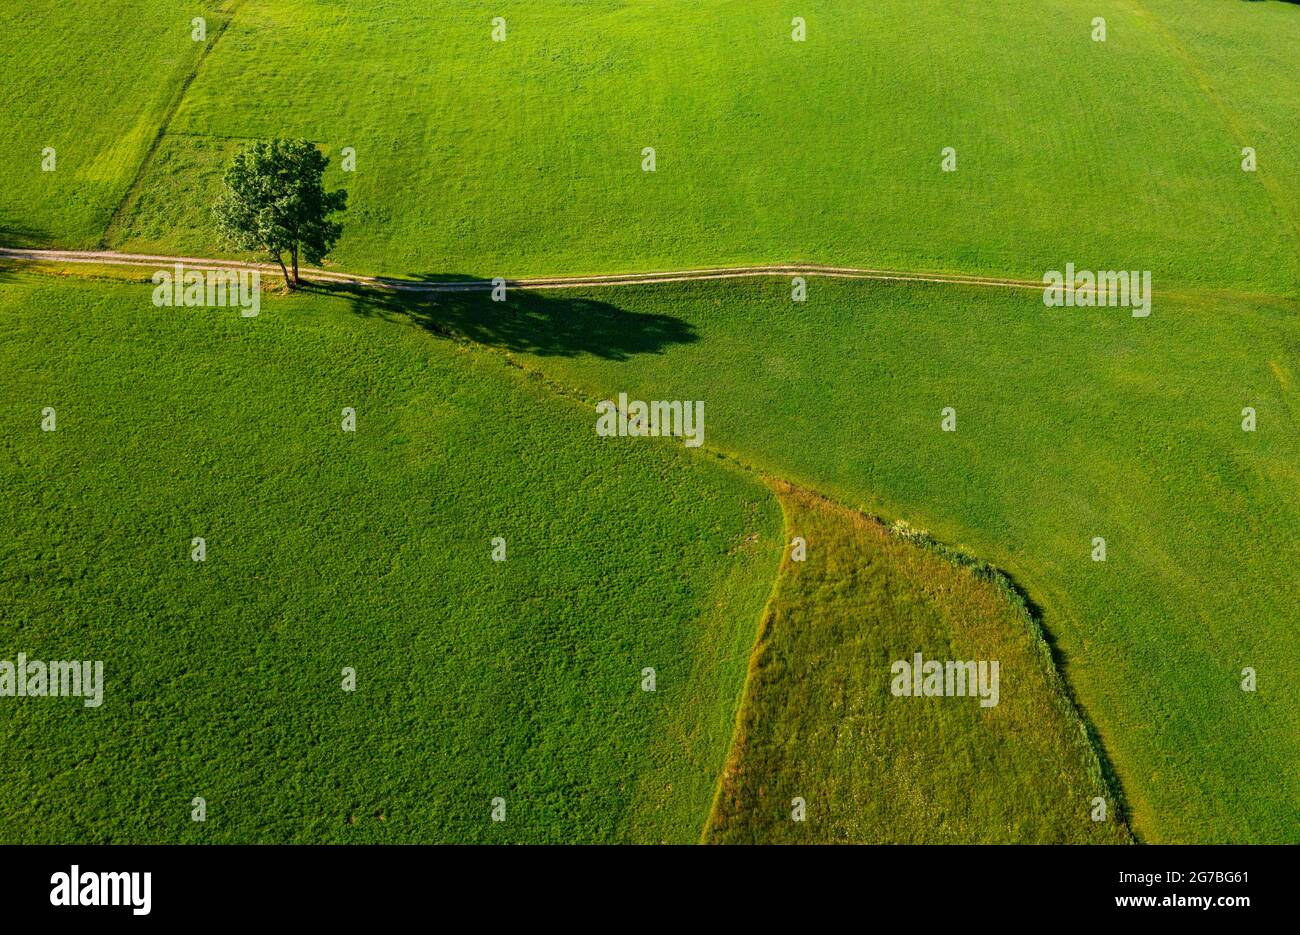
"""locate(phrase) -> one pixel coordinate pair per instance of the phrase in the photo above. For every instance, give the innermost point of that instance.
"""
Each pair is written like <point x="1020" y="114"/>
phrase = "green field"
<point x="767" y="150"/>
<point x="1071" y="423"/>
<point x="522" y="679"/>
<point x="95" y="82"/>
<point x="821" y="724"/>
<point x="475" y="678"/>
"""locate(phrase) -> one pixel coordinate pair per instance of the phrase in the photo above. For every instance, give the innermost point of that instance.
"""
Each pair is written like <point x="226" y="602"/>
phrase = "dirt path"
<point x="110" y="258"/>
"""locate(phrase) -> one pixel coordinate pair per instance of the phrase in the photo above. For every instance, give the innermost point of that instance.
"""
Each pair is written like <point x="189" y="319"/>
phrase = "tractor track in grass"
<point x="395" y="284"/>
<point x="133" y="189"/>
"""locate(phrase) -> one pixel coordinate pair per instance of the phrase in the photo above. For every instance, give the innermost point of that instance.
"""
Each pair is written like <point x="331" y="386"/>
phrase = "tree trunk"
<point x="279" y="259"/>
<point x="294" y="252"/>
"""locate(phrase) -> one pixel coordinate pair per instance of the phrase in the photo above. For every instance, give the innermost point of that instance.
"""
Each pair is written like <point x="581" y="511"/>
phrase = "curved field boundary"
<point x="869" y="773"/>
<point x="1088" y="746"/>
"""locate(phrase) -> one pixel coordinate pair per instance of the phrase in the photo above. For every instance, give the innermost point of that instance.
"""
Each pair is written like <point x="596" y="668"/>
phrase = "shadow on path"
<point x="548" y="324"/>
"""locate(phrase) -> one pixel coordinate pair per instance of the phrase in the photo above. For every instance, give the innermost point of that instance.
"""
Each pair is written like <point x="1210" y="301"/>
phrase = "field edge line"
<point x="133" y="189"/>
<point x="1097" y="759"/>
<point x="760" y="632"/>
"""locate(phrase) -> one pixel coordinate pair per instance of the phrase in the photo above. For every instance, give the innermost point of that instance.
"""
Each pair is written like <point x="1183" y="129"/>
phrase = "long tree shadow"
<point x="552" y="324"/>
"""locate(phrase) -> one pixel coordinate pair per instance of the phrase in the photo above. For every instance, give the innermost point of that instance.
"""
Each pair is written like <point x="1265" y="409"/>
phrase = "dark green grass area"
<point x="821" y="724"/>
<point x="152" y="214"/>
<point x="326" y="550"/>
<point x="1071" y="424"/>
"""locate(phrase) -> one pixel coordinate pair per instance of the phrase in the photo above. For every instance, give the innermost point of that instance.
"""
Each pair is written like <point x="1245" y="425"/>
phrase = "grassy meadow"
<point x="1071" y="424"/>
<point x="95" y="82"/>
<point x="507" y="158"/>
<point x="820" y="723"/>
<point x="371" y="550"/>
<point x="522" y="678"/>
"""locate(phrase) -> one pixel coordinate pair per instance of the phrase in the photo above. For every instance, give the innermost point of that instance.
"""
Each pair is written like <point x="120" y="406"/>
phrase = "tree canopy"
<point x="275" y="200"/>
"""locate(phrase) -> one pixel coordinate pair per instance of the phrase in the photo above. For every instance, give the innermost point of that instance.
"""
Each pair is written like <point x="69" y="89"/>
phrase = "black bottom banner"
<point x="169" y="884"/>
